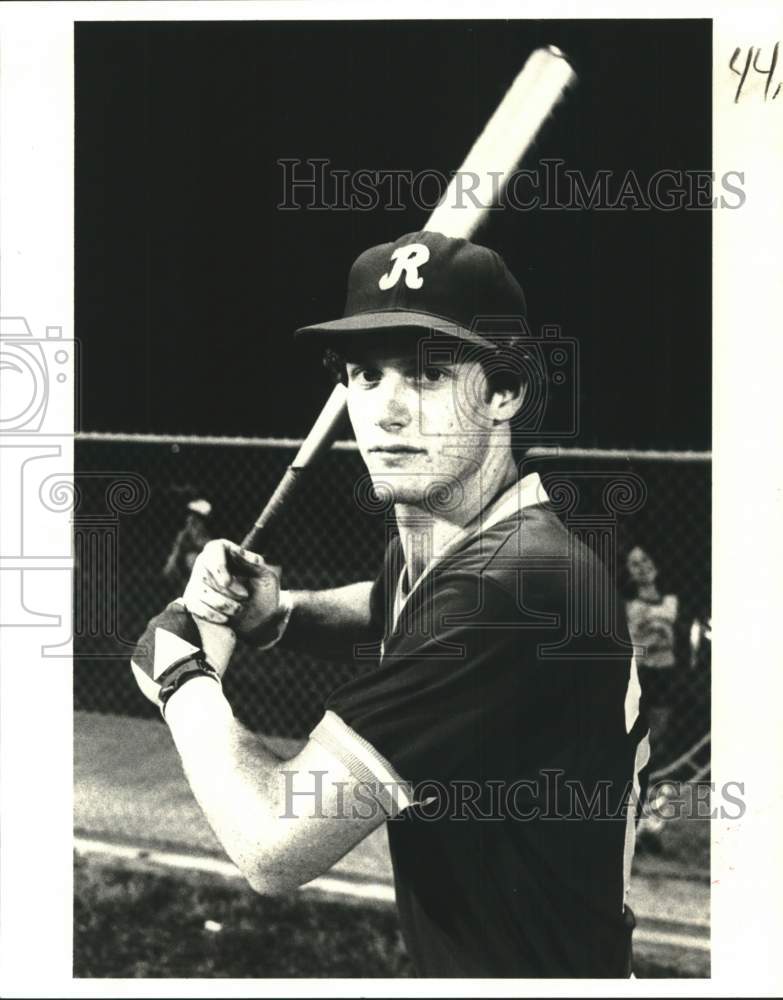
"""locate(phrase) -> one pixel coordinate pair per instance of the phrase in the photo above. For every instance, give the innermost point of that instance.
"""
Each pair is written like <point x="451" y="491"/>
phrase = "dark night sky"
<point x="189" y="280"/>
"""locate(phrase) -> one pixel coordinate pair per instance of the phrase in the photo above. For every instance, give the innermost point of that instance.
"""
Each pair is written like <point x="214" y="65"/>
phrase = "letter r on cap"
<point x="407" y="261"/>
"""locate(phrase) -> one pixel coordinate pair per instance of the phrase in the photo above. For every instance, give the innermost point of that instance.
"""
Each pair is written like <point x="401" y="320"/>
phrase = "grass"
<point x="131" y="923"/>
<point x="144" y="924"/>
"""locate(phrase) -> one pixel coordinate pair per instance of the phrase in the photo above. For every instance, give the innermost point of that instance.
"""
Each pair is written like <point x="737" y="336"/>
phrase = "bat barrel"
<point x="480" y="182"/>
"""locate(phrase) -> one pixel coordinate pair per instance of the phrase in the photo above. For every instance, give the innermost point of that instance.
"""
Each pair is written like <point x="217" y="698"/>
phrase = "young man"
<point x="501" y="742"/>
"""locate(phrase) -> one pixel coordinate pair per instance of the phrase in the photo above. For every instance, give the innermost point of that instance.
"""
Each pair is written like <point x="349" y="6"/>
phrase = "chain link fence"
<point x="135" y="536"/>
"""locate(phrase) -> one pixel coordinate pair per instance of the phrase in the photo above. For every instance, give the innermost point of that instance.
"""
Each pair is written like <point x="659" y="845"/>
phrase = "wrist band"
<point x="181" y="674"/>
<point x="286" y="605"/>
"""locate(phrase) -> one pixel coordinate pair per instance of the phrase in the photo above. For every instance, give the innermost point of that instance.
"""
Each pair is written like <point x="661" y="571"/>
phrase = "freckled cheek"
<point x="440" y="419"/>
<point x="447" y="443"/>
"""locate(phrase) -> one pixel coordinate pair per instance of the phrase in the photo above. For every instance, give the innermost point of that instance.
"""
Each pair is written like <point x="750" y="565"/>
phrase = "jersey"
<point x="512" y="745"/>
<point x="651" y="623"/>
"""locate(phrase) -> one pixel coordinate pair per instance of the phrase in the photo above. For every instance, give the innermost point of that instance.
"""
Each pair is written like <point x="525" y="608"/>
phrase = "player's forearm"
<point x="235" y="778"/>
<point x="330" y="623"/>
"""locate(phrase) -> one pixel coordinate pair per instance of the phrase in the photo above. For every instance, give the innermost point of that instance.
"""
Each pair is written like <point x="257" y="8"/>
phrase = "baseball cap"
<point x="426" y="280"/>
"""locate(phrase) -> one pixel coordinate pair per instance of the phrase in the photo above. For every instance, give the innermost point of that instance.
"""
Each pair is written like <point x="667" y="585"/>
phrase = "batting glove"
<point x="231" y="585"/>
<point x="176" y="647"/>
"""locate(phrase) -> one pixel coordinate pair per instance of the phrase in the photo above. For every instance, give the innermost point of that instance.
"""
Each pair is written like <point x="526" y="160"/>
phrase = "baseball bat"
<point x="506" y="137"/>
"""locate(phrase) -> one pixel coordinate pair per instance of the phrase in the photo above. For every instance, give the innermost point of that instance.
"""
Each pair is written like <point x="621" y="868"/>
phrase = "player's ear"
<point x="506" y="400"/>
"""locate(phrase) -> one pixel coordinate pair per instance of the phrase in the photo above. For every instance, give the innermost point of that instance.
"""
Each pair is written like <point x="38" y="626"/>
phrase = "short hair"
<point x="503" y="367"/>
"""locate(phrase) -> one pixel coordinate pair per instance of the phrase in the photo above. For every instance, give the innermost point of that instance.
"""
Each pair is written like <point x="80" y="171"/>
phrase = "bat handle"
<point x="317" y="442"/>
<point x="255" y="538"/>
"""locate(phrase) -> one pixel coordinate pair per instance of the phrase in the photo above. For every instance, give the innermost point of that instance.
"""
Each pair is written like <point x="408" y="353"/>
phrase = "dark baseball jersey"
<point x="502" y="732"/>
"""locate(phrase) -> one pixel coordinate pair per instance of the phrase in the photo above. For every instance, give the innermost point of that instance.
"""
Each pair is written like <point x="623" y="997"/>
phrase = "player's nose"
<point x="393" y="402"/>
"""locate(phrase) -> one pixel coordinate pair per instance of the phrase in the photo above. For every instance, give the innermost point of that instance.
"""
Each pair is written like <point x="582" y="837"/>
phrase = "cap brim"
<point x="392" y="320"/>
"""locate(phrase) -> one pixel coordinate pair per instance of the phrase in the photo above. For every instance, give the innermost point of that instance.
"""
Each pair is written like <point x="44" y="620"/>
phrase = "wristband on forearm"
<point x="181" y="674"/>
<point x="270" y="633"/>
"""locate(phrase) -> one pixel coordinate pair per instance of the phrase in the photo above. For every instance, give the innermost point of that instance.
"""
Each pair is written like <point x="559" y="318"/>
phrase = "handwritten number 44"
<point x="752" y="59"/>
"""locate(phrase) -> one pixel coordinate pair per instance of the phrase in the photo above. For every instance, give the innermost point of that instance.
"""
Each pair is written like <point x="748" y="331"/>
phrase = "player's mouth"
<point x="398" y="449"/>
<point x="393" y="453"/>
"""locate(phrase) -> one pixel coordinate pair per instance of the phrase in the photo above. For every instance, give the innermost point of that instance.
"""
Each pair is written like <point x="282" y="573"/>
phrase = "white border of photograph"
<point x="36" y="281"/>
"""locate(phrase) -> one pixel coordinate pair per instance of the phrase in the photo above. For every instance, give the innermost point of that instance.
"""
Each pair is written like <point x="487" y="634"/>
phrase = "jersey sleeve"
<point x="458" y="675"/>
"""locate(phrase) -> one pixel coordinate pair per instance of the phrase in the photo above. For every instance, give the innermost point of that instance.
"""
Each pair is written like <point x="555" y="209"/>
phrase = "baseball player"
<point x="502" y="754"/>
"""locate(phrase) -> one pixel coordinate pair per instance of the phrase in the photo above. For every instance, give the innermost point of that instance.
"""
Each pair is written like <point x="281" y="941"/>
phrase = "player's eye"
<point x="363" y="376"/>
<point x="432" y="375"/>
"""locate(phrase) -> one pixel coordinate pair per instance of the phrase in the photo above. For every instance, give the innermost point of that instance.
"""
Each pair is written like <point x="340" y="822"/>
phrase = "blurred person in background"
<point x="189" y="542"/>
<point x="652" y="618"/>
